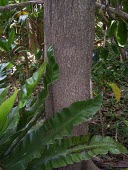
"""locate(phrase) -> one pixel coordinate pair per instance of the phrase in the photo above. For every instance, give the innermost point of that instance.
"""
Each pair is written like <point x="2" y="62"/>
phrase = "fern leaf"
<point x="54" y="128"/>
<point x="69" y="151"/>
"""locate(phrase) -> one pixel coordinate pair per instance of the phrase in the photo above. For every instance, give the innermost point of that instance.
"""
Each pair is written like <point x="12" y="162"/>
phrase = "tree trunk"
<point x="69" y="28"/>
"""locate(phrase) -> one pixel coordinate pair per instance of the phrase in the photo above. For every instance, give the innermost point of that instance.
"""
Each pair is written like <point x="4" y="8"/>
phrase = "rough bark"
<point x="69" y="28"/>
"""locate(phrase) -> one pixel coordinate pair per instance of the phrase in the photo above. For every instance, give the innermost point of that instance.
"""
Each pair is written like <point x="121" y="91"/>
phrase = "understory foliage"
<point x="28" y="141"/>
<point x="110" y="70"/>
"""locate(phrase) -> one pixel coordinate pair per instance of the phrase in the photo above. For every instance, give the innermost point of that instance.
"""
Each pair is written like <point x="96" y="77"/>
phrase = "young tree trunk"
<point x="69" y="28"/>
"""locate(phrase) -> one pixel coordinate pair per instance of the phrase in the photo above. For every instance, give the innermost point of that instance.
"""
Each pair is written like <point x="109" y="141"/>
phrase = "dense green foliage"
<point x="22" y="67"/>
<point x="110" y="66"/>
<point x="30" y="142"/>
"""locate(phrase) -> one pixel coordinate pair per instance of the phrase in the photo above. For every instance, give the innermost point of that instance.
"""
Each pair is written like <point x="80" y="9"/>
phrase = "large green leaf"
<point x="54" y="128"/>
<point x="34" y="108"/>
<point x="112" y="28"/>
<point x="121" y="33"/>
<point x="29" y="86"/>
<point x="75" y="149"/>
<point x="5" y="109"/>
<point x="36" y="105"/>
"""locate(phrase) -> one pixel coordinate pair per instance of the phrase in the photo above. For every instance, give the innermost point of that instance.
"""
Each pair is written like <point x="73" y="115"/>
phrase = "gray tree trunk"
<point x="69" y="28"/>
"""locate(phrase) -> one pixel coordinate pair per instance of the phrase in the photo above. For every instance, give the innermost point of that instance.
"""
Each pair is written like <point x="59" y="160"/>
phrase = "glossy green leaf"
<point x="75" y="149"/>
<point x="29" y="86"/>
<point x="11" y="38"/>
<point x="121" y="33"/>
<point x="36" y="107"/>
<point x="5" y="109"/>
<point x="112" y="28"/>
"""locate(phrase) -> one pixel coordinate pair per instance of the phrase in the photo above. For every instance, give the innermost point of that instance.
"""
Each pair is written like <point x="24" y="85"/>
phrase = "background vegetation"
<point x="22" y="53"/>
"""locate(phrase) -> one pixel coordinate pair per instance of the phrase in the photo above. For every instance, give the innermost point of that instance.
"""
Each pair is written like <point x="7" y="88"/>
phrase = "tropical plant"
<point x="28" y="141"/>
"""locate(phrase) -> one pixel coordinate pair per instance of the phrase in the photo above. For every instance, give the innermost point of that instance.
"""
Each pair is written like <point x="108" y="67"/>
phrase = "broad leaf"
<point x="36" y="106"/>
<point x="112" y="28"/>
<point x="29" y="86"/>
<point x="55" y="128"/>
<point x="75" y="149"/>
<point x="121" y="33"/>
<point x="5" y="109"/>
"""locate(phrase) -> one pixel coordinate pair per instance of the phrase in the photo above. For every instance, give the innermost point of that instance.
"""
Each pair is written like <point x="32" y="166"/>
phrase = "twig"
<point x="119" y="12"/>
<point x="22" y="4"/>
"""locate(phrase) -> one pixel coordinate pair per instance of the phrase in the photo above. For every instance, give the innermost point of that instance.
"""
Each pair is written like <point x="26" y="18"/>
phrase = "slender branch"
<point x="119" y="12"/>
<point x="18" y="5"/>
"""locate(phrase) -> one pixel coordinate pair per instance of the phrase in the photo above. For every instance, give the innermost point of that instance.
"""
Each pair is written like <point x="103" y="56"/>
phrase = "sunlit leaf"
<point x="116" y="91"/>
<point x="29" y="86"/>
<point x="5" y="109"/>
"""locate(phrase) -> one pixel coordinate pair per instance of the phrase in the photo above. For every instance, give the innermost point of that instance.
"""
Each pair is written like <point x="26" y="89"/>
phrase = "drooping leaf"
<point x="54" y="128"/>
<point x="116" y="91"/>
<point x="121" y="33"/>
<point x="75" y="149"/>
<point x="29" y="86"/>
<point x="36" y="107"/>
<point x="5" y="109"/>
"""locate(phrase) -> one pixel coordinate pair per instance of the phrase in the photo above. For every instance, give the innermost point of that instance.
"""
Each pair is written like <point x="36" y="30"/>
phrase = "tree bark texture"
<point x="69" y="28"/>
